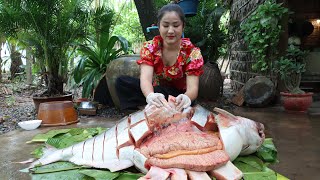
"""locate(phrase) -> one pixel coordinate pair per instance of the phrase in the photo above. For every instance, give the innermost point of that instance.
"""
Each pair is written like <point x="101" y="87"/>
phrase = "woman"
<point x="169" y="64"/>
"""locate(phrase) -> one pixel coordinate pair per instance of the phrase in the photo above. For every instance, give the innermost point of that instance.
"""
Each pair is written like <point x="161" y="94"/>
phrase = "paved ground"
<point x="297" y="138"/>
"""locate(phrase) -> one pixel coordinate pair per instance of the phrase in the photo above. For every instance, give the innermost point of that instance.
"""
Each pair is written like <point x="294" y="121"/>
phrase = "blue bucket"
<point x="189" y="7"/>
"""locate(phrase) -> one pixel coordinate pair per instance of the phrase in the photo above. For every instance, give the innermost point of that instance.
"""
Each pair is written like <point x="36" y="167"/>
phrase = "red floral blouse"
<point x="189" y="62"/>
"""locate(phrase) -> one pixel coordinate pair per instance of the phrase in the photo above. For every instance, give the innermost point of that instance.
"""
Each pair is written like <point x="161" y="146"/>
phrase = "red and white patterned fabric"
<point x="189" y="62"/>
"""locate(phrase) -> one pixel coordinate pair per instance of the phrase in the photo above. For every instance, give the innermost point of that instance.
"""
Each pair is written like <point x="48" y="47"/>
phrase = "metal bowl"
<point x="87" y="105"/>
<point x="87" y="108"/>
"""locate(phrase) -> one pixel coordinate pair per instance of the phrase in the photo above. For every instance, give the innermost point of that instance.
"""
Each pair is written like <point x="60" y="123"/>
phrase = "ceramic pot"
<point x="57" y="113"/>
<point x="211" y="82"/>
<point x="37" y="100"/>
<point x="125" y="65"/>
<point x="296" y="102"/>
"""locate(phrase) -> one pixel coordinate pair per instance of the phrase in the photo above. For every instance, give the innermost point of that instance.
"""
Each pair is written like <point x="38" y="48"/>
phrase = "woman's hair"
<point x="171" y="7"/>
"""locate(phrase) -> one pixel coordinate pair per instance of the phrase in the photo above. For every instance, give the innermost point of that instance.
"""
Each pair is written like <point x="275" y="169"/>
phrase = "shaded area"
<point x="296" y="136"/>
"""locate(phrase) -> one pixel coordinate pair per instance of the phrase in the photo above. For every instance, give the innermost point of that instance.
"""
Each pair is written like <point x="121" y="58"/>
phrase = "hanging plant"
<point x="262" y="31"/>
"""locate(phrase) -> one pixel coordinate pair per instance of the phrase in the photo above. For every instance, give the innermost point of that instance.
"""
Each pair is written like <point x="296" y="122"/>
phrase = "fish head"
<point x="252" y="133"/>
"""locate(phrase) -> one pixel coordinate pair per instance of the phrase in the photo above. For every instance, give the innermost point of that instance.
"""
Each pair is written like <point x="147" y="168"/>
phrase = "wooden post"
<point x="283" y="41"/>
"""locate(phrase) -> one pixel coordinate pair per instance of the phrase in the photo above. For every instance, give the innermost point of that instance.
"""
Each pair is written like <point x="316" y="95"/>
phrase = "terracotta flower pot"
<point x="57" y="113"/>
<point x="296" y="102"/>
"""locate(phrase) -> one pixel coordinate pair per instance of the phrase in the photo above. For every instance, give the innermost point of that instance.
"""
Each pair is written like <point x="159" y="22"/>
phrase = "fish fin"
<point x="225" y="118"/>
<point x="26" y="161"/>
<point x="225" y="113"/>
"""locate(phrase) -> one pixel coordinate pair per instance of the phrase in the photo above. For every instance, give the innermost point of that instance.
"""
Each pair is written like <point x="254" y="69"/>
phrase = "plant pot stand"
<point x="57" y="113"/>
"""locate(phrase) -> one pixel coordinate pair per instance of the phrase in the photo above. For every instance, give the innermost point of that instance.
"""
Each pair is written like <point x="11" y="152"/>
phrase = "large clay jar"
<point x="125" y="65"/>
<point x="211" y="82"/>
<point x="57" y="113"/>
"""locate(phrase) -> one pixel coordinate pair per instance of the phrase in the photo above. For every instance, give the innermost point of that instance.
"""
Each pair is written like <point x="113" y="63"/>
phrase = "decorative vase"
<point x="296" y="102"/>
<point x="189" y="7"/>
<point x="37" y="100"/>
<point x="125" y="65"/>
<point x="211" y="82"/>
<point x="57" y="113"/>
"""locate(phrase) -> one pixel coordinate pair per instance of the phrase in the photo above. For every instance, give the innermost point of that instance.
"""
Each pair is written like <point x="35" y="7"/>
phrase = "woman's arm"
<point x="192" y="87"/>
<point x="146" y="75"/>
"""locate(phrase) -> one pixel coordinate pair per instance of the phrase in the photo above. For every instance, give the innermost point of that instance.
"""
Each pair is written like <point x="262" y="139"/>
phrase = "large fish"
<point x="163" y="142"/>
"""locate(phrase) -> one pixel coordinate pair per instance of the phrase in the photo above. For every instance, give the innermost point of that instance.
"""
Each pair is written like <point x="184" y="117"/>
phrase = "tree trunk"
<point x="2" y="41"/>
<point x="55" y="86"/>
<point x="28" y="66"/>
<point x="0" y="68"/>
<point x="55" y="80"/>
<point x="147" y="15"/>
<point x="16" y="62"/>
<point x="0" y="63"/>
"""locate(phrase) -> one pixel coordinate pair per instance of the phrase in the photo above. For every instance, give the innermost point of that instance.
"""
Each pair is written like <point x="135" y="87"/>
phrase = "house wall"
<point x="309" y="11"/>
<point x="312" y="42"/>
<point x="240" y="58"/>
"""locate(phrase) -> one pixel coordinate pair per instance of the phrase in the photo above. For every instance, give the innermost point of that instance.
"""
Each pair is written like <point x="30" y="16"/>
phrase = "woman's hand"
<point x="182" y="101"/>
<point x="156" y="99"/>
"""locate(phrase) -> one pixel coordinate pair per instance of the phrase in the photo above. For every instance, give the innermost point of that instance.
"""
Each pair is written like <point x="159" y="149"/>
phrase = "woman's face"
<point x="171" y="28"/>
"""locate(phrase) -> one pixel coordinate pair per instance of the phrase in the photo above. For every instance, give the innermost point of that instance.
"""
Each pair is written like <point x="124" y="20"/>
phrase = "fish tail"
<point x="49" y="156"/>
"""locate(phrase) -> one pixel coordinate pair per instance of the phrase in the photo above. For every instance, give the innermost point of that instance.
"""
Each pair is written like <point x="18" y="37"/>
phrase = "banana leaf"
<point x="254" y="166"/>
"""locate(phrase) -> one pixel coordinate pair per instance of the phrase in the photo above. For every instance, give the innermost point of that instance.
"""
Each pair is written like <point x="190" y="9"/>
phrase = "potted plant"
<point x="289" y="68"/>
<point x="97" y="52"/>
<point x="52" y="28"/>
